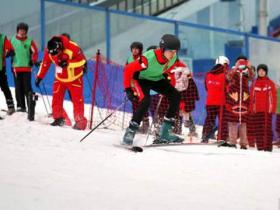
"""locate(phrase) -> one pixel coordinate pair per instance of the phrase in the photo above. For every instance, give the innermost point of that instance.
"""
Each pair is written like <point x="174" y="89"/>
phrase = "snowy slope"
<point x="47" y="168"/>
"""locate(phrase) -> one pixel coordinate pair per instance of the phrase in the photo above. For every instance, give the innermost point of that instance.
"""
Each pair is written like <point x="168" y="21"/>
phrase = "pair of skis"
<point x="141" y="148"/>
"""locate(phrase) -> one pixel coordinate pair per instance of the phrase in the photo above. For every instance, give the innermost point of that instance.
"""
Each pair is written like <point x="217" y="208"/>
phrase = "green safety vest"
<point x="22" y="52"/>
<point x="278" y="102"/>
<point x="155" y="70"/>
<point x="2" y="39"/>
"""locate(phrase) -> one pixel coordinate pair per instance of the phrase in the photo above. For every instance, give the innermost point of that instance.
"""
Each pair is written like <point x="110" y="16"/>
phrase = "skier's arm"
<point x="45" y="65"/>
<point x="8" y="48"/>
<point x="131" y="68"/>
<point x="34" y="51"/>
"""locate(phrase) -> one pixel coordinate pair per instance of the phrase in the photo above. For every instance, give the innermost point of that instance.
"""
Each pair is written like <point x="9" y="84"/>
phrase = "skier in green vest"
<point x="6" y="50"/>
<point x="145" y="74"/>
<point x="26" y="54"/>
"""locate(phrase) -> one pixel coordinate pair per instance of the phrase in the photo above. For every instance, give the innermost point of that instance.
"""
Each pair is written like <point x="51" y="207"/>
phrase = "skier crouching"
<point x="151" y="67"/>
<point x="69" y="63"/>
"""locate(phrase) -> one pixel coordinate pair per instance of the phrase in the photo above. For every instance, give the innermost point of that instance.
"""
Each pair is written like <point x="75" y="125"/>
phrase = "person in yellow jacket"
<point x="69" y="63"/>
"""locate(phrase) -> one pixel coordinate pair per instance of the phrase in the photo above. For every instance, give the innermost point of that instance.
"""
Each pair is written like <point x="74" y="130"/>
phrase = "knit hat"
<point x="263" y="67"/>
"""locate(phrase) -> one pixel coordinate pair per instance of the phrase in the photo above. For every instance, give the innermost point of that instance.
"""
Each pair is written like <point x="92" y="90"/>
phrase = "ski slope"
<point x="47" y="168"/>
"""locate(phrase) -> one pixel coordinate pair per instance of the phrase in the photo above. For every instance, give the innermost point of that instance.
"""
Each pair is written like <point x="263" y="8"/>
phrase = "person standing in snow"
<point x="6" y="50"/>
<point x="262" y="106"/>
<point x="215" y="83"/>
<point x="69" y="63"/>
<point x="26" y="55"/>
<point x="136" y="49"/>
<point x="278" y="116"/>
<point x="181" y="78"/>
<point x="238" y="102"/>
<point x="151" y="67"/>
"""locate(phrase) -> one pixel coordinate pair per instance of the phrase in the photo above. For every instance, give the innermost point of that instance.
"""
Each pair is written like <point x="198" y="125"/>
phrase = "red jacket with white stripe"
<point x="263" y="96"/>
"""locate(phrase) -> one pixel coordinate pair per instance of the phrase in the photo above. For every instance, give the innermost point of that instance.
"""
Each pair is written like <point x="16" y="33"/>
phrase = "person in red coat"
<point x="6" y="50"/>
<point x="181" y="78"/>
<point x="238" y="101"/>
<point x="262" y="106"/>
<point x="215" y="82"/>
<point x="69" y="63"/>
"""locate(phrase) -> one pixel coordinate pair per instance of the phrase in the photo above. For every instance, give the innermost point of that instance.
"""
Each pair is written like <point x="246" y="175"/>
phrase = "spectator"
<point x="6" y="50"/>
<point x="181" y="78"/>
<point x="278" y="117"/>
<point x="250" y="122"/>
<point x="237" y="102"/>
<point x="215" y="82"/>
<point x="263" y="105"/>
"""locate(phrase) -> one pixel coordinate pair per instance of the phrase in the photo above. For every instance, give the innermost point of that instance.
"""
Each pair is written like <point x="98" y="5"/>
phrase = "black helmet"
<point x="22" y="26"/>
<point x="137" y="45"/>
<point x="169" y="42"/>
<point x="54" y="45"/>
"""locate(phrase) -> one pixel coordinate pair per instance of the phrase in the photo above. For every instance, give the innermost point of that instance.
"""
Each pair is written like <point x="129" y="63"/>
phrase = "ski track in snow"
<point x="45" y="167"/>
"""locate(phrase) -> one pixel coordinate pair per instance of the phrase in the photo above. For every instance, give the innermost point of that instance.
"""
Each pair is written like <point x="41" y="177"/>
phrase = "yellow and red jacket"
<point x="74" y="57"/>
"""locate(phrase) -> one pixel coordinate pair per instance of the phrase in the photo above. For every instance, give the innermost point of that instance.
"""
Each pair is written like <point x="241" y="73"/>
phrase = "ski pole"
<point x="42" y="96"/>
<point x="44" y="88"/>
<point x="124" y="107"/>
<point x="108" y="116"/>
<point x="43" y="100"/>
<point x="154" y="118"/>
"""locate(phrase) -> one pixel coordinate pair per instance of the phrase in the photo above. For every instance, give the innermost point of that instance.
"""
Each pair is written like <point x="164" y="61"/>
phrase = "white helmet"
<point x="222" y="60"/>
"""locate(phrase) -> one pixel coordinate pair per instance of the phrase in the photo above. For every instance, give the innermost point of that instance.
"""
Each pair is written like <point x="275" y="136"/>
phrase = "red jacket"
<point x="215" y="86"/>
<point x="34" y="56"/>
<point x="7" y="48"/>
<point x="74" y="57"/>
<point x="263" y="96"/>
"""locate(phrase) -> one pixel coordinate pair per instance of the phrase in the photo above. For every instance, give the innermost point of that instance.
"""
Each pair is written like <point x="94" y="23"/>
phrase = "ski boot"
<point x="80" y="125"/>
<point x="31" y="103"/>
<point x="145" y="126"/>
<point x="226" y="144"/>
<point x="11" y="107"/>
<point x="165" y="134"/>
<point x="130" y="133"/>
<point x="192" y="130"/>
<point x="204" y="139"/>
<point x="58" y="122"/>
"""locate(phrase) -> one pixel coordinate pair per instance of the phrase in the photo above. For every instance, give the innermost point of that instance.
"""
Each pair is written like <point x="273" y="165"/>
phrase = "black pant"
<point x="163" y="87"/>
<point x="23" y="87"/>
<point x="5" y="88"/>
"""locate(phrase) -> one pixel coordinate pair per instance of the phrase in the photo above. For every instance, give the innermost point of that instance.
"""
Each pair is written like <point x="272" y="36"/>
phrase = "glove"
<point x="37" y="64"/>
<point x="63" y="63"/>
<point x="85" y="69"/>
<point x="11" y="53"/>
<point x="37" y="81"/>
<point x="130" y="95"/>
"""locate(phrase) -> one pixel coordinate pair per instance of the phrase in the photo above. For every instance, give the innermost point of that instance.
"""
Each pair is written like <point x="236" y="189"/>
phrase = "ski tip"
<point x="137" y="149"/>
